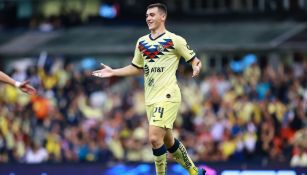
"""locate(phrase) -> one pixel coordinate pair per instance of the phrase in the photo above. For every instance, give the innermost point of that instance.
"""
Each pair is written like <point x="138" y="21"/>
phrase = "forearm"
<point x="6" y="79"/>
<point x="128" y="71"/>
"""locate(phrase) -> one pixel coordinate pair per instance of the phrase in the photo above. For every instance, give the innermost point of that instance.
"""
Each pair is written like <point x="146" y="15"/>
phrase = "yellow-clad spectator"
<point x="49" y="81"/>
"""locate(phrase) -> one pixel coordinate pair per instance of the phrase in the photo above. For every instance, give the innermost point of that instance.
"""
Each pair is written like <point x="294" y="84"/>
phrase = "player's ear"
<point x="163" y="16"/>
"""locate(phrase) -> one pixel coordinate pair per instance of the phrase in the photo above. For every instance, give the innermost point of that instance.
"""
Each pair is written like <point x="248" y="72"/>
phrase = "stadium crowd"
<point x="259" y="114"/>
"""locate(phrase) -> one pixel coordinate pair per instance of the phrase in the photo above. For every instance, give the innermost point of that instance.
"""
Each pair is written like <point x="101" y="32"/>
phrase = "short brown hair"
<point x="160" y="6"/>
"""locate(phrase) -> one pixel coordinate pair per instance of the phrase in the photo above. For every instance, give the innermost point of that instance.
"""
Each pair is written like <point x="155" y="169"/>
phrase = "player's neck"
<point x="157" y="32"/>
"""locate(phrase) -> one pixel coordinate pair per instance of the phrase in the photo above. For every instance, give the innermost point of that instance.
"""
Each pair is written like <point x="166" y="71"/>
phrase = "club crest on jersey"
<point x="160" y="48"/>
<point x="153" y="52"/>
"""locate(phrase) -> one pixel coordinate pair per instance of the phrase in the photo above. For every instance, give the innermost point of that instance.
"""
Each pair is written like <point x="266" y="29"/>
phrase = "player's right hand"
<point x="104" y="72"/>
<point x="27" y="88"/>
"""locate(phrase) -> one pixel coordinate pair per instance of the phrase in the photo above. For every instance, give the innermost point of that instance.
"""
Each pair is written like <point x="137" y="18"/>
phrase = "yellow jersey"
<point x="159" y="58"/>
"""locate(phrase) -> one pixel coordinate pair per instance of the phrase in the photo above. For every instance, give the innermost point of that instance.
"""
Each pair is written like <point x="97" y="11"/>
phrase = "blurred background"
<point x="246" y="113"/>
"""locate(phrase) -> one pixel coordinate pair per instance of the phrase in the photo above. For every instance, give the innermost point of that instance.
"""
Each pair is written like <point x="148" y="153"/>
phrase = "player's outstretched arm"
<point x="23" y="86"/>
<point x="106" y="71"/>
<point x="196" y="65"/>
<point x="6" y="79"/>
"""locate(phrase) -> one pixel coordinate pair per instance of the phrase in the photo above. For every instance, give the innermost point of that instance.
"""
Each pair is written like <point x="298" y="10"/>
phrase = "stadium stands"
<point x="253" y="115"/>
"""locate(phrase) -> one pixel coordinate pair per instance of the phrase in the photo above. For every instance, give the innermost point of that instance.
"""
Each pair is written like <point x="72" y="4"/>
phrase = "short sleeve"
<point x="137" y="60"/>
<point x="184" y="50"/>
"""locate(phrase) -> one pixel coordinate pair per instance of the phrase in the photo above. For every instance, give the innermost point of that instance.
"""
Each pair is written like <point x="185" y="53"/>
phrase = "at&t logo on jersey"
<point x="148" y="70"/>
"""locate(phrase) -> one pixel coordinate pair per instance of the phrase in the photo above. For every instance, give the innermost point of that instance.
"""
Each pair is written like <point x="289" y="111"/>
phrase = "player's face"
<point x="155" y="18"/>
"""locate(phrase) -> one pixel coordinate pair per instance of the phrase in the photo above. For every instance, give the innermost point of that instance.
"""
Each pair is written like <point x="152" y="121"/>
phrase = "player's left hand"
<point x="27" y="88"/>
<point x="196" y="65"/>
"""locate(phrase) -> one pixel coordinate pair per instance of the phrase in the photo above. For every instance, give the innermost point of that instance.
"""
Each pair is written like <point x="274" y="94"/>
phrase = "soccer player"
<point x="23" y="86"/>
<point x="157" y="56"/>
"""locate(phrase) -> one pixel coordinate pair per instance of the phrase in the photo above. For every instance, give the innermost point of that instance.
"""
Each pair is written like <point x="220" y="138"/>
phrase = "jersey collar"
<point x="157" y="36"/>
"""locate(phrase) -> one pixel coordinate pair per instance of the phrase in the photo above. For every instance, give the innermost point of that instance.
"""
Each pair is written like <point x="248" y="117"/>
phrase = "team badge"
<point x="160" y="48"/>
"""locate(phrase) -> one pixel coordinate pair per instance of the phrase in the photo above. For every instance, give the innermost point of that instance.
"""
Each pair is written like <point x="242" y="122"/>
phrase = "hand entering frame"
<point x="27" y="88"/>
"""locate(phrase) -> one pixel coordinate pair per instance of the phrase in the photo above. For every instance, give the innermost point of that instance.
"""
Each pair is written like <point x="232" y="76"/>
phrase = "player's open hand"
<point x="104" y="72"/>
<point x="196" y="65"/>
<point x="27" y="88"/>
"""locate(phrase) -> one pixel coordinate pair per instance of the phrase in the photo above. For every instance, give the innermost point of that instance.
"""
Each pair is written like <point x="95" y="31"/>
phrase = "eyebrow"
<point x="149" y="13"/>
